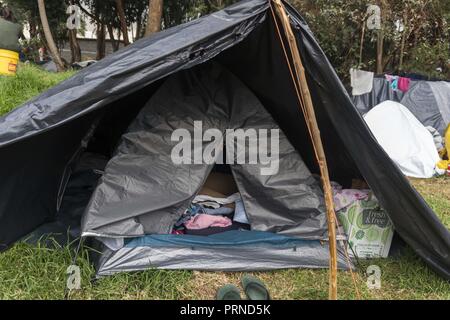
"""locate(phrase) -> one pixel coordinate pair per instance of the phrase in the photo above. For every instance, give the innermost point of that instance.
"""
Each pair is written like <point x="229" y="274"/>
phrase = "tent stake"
<point x="311" y="121"/>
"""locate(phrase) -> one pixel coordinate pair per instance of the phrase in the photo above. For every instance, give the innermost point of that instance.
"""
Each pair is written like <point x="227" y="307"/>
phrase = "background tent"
<point x="40" y="141"/>
<point x="407" y="142"/>
<point x="428" y="101"/>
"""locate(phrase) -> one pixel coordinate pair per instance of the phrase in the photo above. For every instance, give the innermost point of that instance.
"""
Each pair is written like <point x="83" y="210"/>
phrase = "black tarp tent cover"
<point x="40" y="142"/>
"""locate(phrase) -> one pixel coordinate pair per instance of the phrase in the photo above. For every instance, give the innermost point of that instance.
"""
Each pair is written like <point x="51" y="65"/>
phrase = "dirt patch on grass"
<point x="282" y="284"/>
<point x="204" y="285"/>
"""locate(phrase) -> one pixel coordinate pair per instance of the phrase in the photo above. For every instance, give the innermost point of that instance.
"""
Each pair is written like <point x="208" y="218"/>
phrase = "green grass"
<point x="29" y="82"/>
<point x="28" y="272"/>
<point x="437" y="194"/>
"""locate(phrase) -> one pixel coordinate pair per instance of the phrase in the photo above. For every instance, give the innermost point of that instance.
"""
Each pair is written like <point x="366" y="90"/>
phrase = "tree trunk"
<point x="380" y="40"/>
<point x="138" y="29"/>
<point x="405" y="36"/>
<point x="49" y="37"/>
<point x="402" y="50"/>
<point x="33" y="27"/>
<point x="101" y="47"/>
<point x="74" y="46"/>
<point x="123" y="21"/>
<point x="380" y="48"/>
<point x="361" y="44"/>
<point x="115" y="44"/>
<point x="119" y="34"/>
<point x="75" y="49"/>
<point x="155" y="10"/>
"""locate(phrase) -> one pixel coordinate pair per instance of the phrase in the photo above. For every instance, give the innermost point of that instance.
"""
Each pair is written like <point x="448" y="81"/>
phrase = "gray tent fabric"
<point x="441" y="91"/>
<point x="421" y="101"/>
<point x="428" y="101"/>
<point x="229" y="251"/>
<point x="381" y="92"/>
<point x="437" y="138"/>
<point x="144" y="192"/>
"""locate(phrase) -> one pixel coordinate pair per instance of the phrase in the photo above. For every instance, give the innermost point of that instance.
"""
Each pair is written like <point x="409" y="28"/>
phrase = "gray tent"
<point x="429" y="101"/>
<point x="143" y="193"/>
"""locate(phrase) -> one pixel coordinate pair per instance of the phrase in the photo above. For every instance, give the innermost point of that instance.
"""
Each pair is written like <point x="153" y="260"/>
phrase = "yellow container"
<point x="8" y="62"/>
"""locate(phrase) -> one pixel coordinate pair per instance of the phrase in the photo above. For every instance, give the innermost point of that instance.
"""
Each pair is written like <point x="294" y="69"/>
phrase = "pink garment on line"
<point x="403" y="84"/>
<point x="203" y="221"/>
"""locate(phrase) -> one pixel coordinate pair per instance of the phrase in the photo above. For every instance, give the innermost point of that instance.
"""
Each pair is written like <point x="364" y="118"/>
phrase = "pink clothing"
<point x="203" y="221"/>
<point x="345" y="197"/>
<point x="403" y="84"/>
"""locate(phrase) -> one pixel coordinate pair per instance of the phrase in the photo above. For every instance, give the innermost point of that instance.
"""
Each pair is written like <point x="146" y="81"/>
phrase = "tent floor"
<point x="228" y="251"/>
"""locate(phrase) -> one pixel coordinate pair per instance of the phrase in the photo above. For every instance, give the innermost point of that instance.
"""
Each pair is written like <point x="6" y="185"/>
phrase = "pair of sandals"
<point x="253" y="287"/>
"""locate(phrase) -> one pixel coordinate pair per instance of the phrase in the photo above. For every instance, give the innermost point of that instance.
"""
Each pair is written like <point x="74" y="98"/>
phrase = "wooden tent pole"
<point x="311" y="120"/>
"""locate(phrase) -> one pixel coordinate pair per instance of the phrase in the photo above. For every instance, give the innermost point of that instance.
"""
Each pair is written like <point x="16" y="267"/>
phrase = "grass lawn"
<point x="29" y="82"/>
<point x="28" y="272"/>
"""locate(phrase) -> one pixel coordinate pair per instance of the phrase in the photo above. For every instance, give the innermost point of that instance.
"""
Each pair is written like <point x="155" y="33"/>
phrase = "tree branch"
<point x="89" y="14"/>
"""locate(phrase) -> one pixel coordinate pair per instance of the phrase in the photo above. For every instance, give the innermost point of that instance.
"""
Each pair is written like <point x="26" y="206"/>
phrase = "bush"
<point x="426" y="59"/>
<point x="338" y="27"/>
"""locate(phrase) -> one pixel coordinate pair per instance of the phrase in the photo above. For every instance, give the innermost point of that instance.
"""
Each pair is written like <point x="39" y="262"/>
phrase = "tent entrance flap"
<point x="146" y="188"/>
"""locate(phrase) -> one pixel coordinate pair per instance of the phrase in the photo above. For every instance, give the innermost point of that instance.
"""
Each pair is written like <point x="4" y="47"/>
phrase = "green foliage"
<point x="177" y="12"/>
<point x="30" y="48"/>
<point x="426" y="58"/>
<point x="174" y="12"/>
<point x="105" y="10"/>
<point x="27" y="11"/>
<point x="338" y="26"/>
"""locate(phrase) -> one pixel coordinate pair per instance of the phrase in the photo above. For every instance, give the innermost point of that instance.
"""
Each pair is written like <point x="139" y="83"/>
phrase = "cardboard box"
<point x="220" y="183"/>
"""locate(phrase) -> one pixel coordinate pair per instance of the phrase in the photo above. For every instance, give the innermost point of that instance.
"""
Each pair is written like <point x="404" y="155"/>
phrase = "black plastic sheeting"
<point x="39" y="140"/>
<point x="66" y="228"/>
<point x="144" y="192"/>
